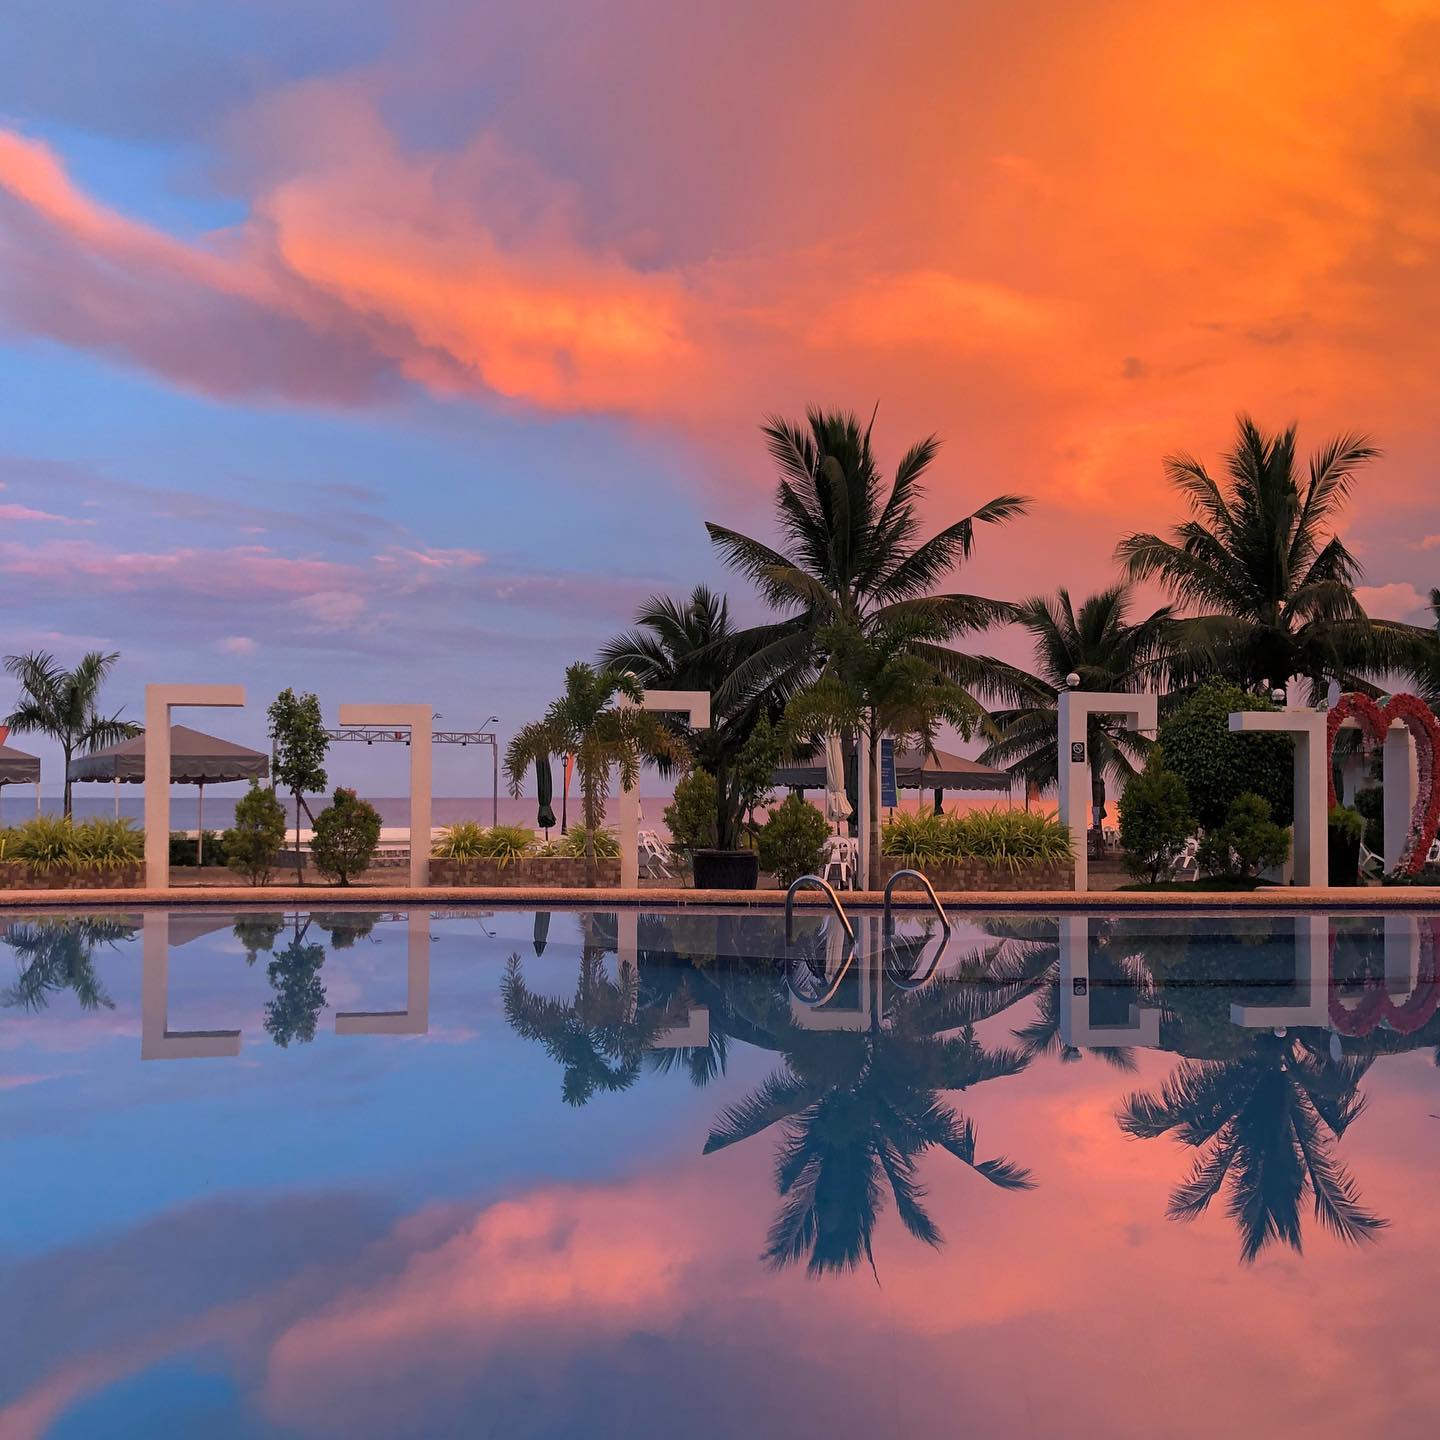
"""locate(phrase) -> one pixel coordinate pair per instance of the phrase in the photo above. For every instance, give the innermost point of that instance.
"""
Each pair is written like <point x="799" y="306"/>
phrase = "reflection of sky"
<point x="399" y="1236"/>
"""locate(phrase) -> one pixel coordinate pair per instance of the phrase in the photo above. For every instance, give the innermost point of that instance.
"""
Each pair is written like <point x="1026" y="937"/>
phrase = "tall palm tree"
<point x="1268" y="584"/>
<point x="1424" y="668"/>
<point x="1108" y="651"/>
<point x="588" y="721"/>
<point x="851" y="557"/>
<point x="1265" y="1124"/>
<point x="692" y="645"/>
<point x="64" y="704"/>
<point x="57" y="954"/>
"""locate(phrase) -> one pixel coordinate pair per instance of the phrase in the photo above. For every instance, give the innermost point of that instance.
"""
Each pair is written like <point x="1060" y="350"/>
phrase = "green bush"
<point x="185" y="849"/>
<point x="691" y="817"/>
<point x="571" y="846"/>
<point x="1155" y="819"/>
<point x="1247" y="842"/>
<point x="346" y="834"/>
<point x="1016" y="839"/>
<point x="792" y="840"/>
<point x="1370" y="802"/>
<point x="466" y="840"/>
<point x="1218" y="765"/>
<point x="253" y="843"/>
<point x="50" y="842"/>
<point x="1346" y="823"/>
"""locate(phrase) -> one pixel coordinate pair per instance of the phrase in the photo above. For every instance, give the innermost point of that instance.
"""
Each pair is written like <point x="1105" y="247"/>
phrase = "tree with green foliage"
<point x="253" y="843"/>
<point x="64" y="705"/>
<point x="690" y="817"/>
<point x="294" y="974"/>
<point x="299" y="744"/>
<point x="1155" y="820"/>
<point x="792" y="840"/>
<point x="590" y="722"/>
<point x="57" y="953"/>
<point x="347" y="832"/>
<point x="1268" y="584"/>
<point x="1109" y="652"/>
<point x="1248" y="841"/>
<point x="1217" y="764"/>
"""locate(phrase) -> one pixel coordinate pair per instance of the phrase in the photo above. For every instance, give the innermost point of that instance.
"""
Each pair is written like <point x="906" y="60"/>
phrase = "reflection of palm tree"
<point x="59" y="954"/>
<point x="858" y="1109"/>
<point x="1265" y="1123"/>
<point x="600" y="1037"/>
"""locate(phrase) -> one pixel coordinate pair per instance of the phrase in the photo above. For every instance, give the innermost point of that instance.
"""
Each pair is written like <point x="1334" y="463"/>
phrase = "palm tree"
<point x="59" y="954"/>
<point x="692" y="645"/>
<point x="1108" y="652"/>
<point x="588" y="722"/>
<point x="1265" y="1123"/>
<point x="851" y="555"/>
<point x="1269" y="585"/>
<point x="1424" y="669"/>
<point x="63" y="704"/>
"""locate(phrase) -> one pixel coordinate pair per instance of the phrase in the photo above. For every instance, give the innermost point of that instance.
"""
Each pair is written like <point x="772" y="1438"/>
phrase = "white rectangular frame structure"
<point x="414" y="1019"/>
<point x="695" y="705"/>
<point x="1143" y="1022"/>
<point x="1312" y="783"/>
<point x="418" y="719"/>
<point x="157" y="1040"/>
<point x="1141" y="709"/>
<point x="1312" y="945"/>
<point x="160" y="700"/>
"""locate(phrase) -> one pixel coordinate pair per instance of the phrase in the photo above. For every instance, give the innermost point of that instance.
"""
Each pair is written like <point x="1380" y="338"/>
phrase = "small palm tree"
<point x="64" y="704"/>
<point x="1108" y="651"/>
<point x="588" y="721"/>
<point x="1269" y="585"/>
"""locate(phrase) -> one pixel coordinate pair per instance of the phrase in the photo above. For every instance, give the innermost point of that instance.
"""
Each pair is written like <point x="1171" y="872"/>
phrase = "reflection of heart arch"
<point x="1375" y="1003"/>
<point x="1374" y="720"/>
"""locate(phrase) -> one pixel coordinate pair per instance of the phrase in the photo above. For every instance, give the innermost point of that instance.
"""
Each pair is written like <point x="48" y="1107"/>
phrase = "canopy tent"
<point x="914" y="770"/>
<point x="195" y="759"/>
<point x="18" y="768"/>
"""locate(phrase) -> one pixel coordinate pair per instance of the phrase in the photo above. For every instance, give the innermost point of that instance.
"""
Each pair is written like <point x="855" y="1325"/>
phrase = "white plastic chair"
<point x="1187" y="860"/>
<point x="842" y="856"/>
<point x="1433" y="855"/>
<point x="655" y="855"/>
<point x="1370" y="862"/>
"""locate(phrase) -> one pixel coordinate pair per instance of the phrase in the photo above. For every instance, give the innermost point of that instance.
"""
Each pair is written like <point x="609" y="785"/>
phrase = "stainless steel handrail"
<point x="817" y="999"/>
<point x="929" y="890"/>
<point x="834" y="904"/>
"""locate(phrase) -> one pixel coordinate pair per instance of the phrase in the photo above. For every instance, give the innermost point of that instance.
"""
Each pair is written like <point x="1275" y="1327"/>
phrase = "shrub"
<point x="792" y="840"/>
<point x="691" y="817"/>
<point x="1016" y="839"/>
<point x="572" y="845"/>
<point x="49" y="842"/>
<point x="466" y="840"/>
<point x="1370" y="803"/>
<point x="1218" y="765"/>
<point x="346" y="834"/>
<point x="1247" y="842"/>
<point x="1155" y="819"/>
<point x="252" y="845"/>
<point x="1345" y="823"/>
<point x="185" y="849"/>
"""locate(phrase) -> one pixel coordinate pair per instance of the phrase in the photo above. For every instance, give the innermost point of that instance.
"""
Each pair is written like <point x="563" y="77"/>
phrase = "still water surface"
<point x="465" y="1174"/>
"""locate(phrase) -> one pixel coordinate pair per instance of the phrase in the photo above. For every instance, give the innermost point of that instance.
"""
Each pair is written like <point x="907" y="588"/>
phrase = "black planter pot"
<point x="726" y="869"/>
<point x="1344" y="858"/>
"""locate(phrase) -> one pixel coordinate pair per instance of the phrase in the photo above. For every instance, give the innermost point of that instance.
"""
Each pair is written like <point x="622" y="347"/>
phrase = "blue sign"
<point x="889" y="799"/>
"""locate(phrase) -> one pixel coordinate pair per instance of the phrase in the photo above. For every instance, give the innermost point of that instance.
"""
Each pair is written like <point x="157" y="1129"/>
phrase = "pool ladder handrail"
<point x="887" y="922"/>
<point x="834" y="899"/>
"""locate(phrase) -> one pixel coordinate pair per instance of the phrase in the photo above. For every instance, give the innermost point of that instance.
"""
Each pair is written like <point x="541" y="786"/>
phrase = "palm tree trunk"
<point x="872" y="879"/>
<point x="66" y="751"/>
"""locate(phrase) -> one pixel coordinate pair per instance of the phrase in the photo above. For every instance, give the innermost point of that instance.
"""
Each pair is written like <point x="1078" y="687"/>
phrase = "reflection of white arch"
<point x="696" y="1029"/>
<point x="695" y="706"/>
<point x="1312" y="781"/>
<point x="1076" y="707"/>
<point x="157" y="1040"/>
<point x="414" y="1019"/>
<point x="1143" y="1026"/>
<point x="1312" y="945"/>
<point x="419" y="719"/>
<point x="159" y="701"/>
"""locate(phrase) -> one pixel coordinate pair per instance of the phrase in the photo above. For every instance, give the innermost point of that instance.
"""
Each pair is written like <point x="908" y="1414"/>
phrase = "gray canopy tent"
<point x="195" y="759"/>
<point x="914" y="770"/>
<point x="18" y="768"/>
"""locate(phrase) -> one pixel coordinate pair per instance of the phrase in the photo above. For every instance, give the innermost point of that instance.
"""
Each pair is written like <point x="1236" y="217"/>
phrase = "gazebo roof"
<point x="939" y="770"/>
<point x="195" y="759"/>
<point x="16" y="767"/>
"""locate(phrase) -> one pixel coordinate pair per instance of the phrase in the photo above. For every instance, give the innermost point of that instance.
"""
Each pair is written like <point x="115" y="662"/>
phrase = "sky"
<point x="398" y="351"/>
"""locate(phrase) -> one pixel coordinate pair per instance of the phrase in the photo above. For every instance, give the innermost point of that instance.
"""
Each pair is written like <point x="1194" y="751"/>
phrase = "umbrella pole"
<point x="37" y="799"/>
<point x="116" y="788"/>
<point x="200" y="825"/>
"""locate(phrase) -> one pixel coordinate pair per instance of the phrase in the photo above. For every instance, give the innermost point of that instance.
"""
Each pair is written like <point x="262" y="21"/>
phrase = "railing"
<point x="929" y="890"/>
<point x="911" y="981"/>
<point x="835" y="905"/>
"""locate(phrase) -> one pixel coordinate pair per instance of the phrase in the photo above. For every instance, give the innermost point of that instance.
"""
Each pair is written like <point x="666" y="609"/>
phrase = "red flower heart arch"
<point x="1375" y="1003"/>
<point x="1374" y="720"/>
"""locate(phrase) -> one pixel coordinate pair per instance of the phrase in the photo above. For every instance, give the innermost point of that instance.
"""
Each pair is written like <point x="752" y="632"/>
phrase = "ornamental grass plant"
<point x="1014" y="839"/>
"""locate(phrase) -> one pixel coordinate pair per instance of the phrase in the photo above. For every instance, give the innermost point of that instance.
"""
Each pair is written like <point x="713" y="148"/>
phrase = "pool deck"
<point x="552" y="898"/>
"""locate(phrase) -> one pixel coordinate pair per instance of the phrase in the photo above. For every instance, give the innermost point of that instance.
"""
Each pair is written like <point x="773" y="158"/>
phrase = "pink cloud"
<point x="19" y="513"/>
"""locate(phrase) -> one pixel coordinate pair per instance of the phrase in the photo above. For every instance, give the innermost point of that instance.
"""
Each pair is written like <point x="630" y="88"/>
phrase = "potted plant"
<point x="1346" y="830"/>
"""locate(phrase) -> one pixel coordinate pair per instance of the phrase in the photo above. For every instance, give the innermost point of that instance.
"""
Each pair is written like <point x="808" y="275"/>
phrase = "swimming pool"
<point x="516" y="1174"/>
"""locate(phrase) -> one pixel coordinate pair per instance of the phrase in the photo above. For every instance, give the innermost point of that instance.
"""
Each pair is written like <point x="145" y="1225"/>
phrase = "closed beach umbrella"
<point x="544" y="793"/>
<point x="837" y="803"/>
<point x="542" y="927"/>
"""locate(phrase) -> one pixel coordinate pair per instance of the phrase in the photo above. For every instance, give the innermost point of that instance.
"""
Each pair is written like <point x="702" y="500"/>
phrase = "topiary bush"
<point x="692" y="817"/>
<point x="1217" y="765"/>
<point x="253" y="843"/>
<point x="1247" y="842"/>
<point x="1155" y="819"/>
<point x="792" y="840"/>
<point x="346" y="834"/>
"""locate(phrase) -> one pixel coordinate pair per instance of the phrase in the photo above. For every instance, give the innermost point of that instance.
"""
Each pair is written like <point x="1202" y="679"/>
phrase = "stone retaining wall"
<point x="18" y="875"/>
<point x="983" y="875"/>
<point x="560" y="871"/>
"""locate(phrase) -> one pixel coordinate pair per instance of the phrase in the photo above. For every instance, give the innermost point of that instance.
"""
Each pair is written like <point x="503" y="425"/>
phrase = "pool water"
<point x="506" y="1174"/>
